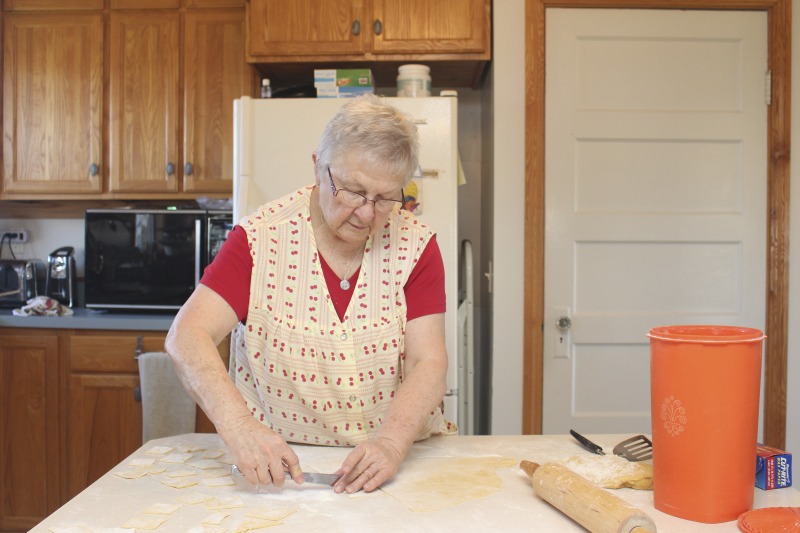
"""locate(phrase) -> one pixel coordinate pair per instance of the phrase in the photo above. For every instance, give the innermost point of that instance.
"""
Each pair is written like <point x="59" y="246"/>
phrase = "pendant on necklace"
<point x="344" y="284"/>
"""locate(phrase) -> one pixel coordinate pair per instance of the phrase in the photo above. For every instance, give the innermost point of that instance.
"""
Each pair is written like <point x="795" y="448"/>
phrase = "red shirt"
<point x="229" y="276"/>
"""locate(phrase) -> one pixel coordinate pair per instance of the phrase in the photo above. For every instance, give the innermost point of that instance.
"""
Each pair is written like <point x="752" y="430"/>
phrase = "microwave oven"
<point x="20" y="280"/>
<point x="149" y="259"/>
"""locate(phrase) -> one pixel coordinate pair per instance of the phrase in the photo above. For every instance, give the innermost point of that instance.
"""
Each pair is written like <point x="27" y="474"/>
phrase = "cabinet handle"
<point x="377" y="27"/>
<point x="188" y="169"/>
<point x="170" y="169"/>
<point x="94" y="169"/>
<point x="137" y="394"/>
<point x="356" y="27"/>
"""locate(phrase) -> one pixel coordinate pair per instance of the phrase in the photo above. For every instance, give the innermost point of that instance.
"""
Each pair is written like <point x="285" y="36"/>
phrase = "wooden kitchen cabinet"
<point x="146" y="116"/>
<point x="52" y="5"/>
<point x="105" y="416"/>
<point x="53" y="103"/>
<point x="69" y="412"/>
<point x="367" y="29"/>
<point x="134" y="101"/>
<point x="144" y="94"/>
<point x="31" y="416"/>
<point x="304" y="28"/>
<point x="215" y="74"/>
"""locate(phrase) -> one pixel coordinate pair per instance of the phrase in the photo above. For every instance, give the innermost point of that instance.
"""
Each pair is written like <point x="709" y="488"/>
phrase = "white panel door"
<point x="655" y="191"/>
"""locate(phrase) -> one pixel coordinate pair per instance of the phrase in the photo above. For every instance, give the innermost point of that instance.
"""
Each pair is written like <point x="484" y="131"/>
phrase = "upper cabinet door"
<point x="425" y="26"/>
<point x="52" y="103"/>
<point x="305" y="27"/>
<point x="215" y="74"/>
<point x="144" y="96"/>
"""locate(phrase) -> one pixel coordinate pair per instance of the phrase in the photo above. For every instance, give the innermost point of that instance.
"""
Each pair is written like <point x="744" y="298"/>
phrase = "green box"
<point x="352" y="77"/>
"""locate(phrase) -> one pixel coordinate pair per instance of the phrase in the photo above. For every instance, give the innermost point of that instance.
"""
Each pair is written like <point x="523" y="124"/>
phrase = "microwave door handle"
<point x="198" y="245"/>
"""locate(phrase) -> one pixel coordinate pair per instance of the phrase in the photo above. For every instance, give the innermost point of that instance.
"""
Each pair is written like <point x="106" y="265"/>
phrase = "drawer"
<point x="111" y="352"/>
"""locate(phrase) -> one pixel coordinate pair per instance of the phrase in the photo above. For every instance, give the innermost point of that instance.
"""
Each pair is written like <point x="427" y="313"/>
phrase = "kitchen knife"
<point x="321" y="479"/>
<point x="308" y="477"/>
<point x="586" y="443"/>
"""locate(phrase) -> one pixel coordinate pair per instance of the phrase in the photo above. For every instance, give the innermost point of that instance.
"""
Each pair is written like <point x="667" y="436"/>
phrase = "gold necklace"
<point x="345" y="284"/>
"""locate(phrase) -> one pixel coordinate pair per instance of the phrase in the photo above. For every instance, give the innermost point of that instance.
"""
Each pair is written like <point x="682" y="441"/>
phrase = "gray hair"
<point x="374" y="130"/>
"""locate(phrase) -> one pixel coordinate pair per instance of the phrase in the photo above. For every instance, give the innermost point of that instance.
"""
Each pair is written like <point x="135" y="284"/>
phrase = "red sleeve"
<point x="425" y="294"/>
<point x="229" y="273"/>
<point x="229" y="276"/>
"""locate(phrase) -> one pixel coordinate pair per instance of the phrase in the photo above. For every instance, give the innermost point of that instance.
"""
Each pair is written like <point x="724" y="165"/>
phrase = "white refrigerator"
<point x="273" y="142"/>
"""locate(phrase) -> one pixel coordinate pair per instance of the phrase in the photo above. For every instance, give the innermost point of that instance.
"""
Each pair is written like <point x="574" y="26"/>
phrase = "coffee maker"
<point x="60" y="284"/>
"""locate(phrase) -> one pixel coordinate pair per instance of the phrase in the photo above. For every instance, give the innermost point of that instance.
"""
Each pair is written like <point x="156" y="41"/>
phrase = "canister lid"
<point x="403" y="69"/>
<point x="770" y="520"/>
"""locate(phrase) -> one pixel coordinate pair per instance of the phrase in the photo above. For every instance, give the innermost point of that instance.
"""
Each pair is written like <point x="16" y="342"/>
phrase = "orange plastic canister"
<point x="705" y="388"/>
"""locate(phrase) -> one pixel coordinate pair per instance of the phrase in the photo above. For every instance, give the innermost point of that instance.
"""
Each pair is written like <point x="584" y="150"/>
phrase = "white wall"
<point x="45" y="236"/>
<point x="793" y="393"/>
<point x="507" y="80"/>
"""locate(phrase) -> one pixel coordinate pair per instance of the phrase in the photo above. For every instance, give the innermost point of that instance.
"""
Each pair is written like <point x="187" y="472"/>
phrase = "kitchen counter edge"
<point x="90" y="319"/>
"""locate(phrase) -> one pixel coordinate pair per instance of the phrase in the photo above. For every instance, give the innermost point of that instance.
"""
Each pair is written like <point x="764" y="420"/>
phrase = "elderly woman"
<point x="337" y="299"/>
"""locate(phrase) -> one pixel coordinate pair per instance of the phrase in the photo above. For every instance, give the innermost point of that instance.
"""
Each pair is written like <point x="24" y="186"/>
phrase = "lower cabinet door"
<point x="30" y="479"/>
<point x="105" y="426"/>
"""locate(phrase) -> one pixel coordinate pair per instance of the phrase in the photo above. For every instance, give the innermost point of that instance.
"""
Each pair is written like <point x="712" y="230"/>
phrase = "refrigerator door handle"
<point x="198" y="246"/>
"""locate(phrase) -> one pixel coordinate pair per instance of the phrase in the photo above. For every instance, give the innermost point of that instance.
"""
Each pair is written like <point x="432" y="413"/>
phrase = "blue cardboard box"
<point x="773" y="468"/>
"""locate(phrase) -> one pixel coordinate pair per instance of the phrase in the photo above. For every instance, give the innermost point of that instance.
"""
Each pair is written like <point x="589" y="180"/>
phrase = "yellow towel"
<point x="167" y="409"/>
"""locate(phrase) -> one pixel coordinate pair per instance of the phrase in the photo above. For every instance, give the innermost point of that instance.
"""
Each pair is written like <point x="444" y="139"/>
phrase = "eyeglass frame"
<point x="374" y="201"/>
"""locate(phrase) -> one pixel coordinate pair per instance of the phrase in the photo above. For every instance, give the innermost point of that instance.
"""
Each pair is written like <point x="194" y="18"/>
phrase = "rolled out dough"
<point x="434" y="483"/>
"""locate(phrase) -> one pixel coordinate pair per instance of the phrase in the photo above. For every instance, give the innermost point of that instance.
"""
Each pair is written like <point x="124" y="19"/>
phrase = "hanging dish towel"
<point x="167" y="409"/>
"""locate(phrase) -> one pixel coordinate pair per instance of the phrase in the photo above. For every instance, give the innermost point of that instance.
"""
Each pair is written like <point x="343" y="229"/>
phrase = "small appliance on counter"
<point x="149" y="259"/>
<point x="61" y="276"/>
<point x="20" y="280"/>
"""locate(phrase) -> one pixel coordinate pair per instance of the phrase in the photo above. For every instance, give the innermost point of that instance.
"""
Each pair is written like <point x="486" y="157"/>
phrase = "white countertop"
<point x="112" y="500"/>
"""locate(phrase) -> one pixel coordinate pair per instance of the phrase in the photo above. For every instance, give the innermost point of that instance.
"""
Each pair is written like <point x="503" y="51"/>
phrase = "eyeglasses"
<point x="355" y="200"/>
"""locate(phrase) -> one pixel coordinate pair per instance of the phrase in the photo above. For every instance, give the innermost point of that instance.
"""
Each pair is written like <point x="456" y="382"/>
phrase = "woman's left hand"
<point x="369" y="465"/>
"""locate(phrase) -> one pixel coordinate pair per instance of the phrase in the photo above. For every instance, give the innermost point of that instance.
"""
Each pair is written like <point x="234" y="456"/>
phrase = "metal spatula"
<point x="638" y="448"/>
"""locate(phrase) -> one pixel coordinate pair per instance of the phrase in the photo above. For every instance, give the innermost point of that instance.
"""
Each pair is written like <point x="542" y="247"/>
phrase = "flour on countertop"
<point x="612" y="471"/>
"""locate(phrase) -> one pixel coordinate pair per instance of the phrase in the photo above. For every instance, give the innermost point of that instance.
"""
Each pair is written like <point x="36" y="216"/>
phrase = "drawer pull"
<point x="139" y="347"/>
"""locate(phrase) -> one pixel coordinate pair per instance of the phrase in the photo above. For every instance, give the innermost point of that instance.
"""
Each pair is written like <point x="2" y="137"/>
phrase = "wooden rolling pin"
<point x="594" y="508"/>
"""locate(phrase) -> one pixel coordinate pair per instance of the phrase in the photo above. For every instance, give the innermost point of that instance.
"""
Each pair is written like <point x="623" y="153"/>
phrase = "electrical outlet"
<point x="18" y="235"/>
<point x="15" y="239"/>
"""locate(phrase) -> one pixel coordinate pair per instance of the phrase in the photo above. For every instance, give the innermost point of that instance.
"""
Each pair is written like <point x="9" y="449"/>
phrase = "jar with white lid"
<point x="414" y="80"/>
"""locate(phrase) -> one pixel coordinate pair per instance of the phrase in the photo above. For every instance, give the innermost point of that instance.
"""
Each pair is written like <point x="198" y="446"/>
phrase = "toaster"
<point x="20" y="280"/>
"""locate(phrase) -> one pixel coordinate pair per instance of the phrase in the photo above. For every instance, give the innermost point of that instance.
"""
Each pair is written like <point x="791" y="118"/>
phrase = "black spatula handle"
<point x="586" y="443"/>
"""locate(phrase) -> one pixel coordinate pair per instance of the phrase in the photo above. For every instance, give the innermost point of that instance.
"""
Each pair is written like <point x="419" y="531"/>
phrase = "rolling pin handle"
<point x="529" y="467"/>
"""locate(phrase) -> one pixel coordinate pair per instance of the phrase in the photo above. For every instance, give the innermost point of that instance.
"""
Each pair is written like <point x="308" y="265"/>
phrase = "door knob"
<point x="564" y="323"/>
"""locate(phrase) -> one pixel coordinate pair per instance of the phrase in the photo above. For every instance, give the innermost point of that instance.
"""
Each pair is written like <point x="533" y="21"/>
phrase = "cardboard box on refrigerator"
<point x="343" y="92"/>
<point x="350" y="77"/>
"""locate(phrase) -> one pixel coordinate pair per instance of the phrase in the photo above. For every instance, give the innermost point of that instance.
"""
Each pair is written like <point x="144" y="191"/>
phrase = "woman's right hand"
<point x="260" y="454"/>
